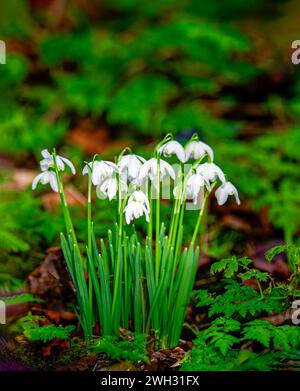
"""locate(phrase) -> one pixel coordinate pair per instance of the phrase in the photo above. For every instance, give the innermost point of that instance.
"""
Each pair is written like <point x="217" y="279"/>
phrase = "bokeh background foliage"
<point x="89" y="76"/>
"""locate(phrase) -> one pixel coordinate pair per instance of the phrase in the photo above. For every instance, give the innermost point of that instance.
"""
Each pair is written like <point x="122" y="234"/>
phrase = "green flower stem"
<point x="117" y="273"/>
<point x="150" y="225"/>
<point x="157" y="240"/>
<point x="66" y="212"/>
<point x="89" y="215"/>
<point x="201" y="214"/>
<point x="176" y="209"/>
<point x="178" y="237"/>
<point x="89" y="205"/>
<point x="178" y="242"/>
<point x="178" y="204"/>
<point x="89" y="234"/>
<point x="75" y="263"/>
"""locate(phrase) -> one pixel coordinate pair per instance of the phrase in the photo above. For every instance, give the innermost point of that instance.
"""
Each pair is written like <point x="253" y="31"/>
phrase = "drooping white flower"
<point x="102" y="170"/>
<point x="134" y="210"/>
<point x="149" y="168"/>
<point x="197" y="149"/>
<point x="48" y="162"/>
<point x="210" y="172"/>
<point x="173" y="147"/>
<point x="46" y="177"/>
<point x="109" y="188"/>
<point x="193" y="186"/>
<point x="224" y="191"/>
<point x="129" y="167"/>
<point x="140" y="197"/>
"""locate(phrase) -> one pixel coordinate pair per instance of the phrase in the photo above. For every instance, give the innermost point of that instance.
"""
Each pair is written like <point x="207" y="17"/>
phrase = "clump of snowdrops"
<point x="125" y="282"/>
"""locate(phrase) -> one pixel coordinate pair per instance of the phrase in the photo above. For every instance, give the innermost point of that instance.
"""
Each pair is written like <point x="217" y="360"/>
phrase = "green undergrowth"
<point x="249" y="325"/>
<point x="246" y="325"/>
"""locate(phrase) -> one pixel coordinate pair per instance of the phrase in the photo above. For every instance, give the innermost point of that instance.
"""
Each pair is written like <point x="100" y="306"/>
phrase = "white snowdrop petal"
<point x="221" y="195"/>
<point x="224" y="191"/>
<point x="45" y="178"/>
<point x="112" y="165"/>
<point x="143" y="160"/>
<point x="36" y="180"/>
<point x="130" y="165"/>
<point x="140" y="197"/>
<point x="44" y="164"/>
<point x="103" y="170"/>
<point x="95" y="175"/>
<point x="169" y="169"/>
<point x="209" y="151"/>
<point x="45" y="153"/>
<point x="137" y="211"/>
<point x="123" y="163"/>
<point x="112" y="189"/>
<point x="210" y="172"/>
<point x="237" y="199"/>
<point x="220" y="173"/>
<point x="197" y="149"/>
<point x="134" y="168"/>
<point x="69" y="163"/>
<point x="194" y="150"/>
<point x="134" y="210"/>
<point x="146" y="214"/>
<point x="188" y="150"/>
<point x="173" y="147"/>
<point x="231" y="189"/>
<point x="85" y="170"/>
<point x="59" y="162"/>
<point x="145" y="169"/>
<point x="194" y="184"/>
<point x="127" y="215"/>
<point x="53" y="182"/>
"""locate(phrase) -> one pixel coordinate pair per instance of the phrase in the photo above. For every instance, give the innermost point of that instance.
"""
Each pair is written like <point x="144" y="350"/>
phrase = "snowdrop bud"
<point x="129" y="166"/>
<point x="140" y="197"/>
<point x="103" y="170"/>
<point x="210" y="172"/>
<point x="46" y="177"/>
<point x="149" y="169"/>
<point x="197" y="149"/>
<point x="224" y="191"/>
<point x="173" y="147"/>
<point x="48" y="162"/>
<point x="134" y="210"/>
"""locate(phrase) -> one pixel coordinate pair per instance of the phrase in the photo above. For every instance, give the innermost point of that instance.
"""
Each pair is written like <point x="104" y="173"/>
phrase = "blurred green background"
<point x="94" y="76"/>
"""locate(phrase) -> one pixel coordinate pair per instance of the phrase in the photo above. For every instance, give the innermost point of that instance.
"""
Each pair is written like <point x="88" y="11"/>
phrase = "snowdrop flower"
<point x="171" y="148"/>
<point x="140" y="197"/>
<point x="46" y="177"/>
<point x="134" y="210"/>
<point x="109" y="187"/>
<point x="149" y="168"/>
<point x="129" y="167"/>
<point x="197" y="149"/>
<point x="48" y="162"/>
<point x="102" y="170"/>
<point x="193" y="186"/>
<point x="224" y="191"/>
<point x="210" y="172"/>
